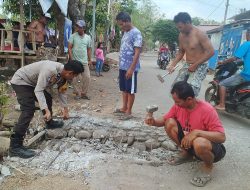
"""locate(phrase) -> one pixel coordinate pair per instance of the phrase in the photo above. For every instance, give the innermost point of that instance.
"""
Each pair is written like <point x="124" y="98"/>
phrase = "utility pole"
<point x="225" y="15"/>
<point x="93" y="28"/>
<point x="107" y="42"/>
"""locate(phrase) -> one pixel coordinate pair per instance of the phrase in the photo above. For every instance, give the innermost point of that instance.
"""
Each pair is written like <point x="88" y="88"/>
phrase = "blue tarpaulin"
<point x="67" y="33"/>
<point x="62" y="4"/>
<point x="233" y="35"/>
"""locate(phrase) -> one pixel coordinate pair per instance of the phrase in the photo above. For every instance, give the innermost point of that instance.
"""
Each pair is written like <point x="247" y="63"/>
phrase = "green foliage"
<point x="128" y="6"/>
<point x="13" y="7"/>
<point x="200" y="21"/>
<point x="3" y="97"/>
<point x="100" y="14"/>
<point x="165" y="31"/>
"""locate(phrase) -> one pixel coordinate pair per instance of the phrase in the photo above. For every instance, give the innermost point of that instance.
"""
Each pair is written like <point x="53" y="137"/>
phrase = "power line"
<point x="211" y="5"/>
<point x="215" y="9"/>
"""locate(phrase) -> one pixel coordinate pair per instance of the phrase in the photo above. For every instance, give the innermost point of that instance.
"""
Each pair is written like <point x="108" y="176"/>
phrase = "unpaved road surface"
<point x="113" y="169"/>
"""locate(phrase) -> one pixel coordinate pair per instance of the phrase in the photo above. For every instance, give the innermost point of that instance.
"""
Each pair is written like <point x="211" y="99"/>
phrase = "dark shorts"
<point x="130" y="85"/>
<point x="218" y="149"/>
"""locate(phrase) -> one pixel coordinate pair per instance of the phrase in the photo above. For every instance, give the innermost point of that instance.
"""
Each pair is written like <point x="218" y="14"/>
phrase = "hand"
<point x="187" y="141"/>
<point x="47" y="116"/>
<point x="149" y="121"/>
<point x="129" y="74"/>
<point x="220" y="63"/>
<point x="192" y="67"/>
<point x="65" y="113"/>
<point x="170" y="68"/>
<point x="91" y="66"/>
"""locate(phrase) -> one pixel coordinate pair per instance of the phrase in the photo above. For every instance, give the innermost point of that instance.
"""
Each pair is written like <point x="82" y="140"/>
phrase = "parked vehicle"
<point x="105" y="67"/>
<point x="163" y="60"/>
<point x="237" y="97"/>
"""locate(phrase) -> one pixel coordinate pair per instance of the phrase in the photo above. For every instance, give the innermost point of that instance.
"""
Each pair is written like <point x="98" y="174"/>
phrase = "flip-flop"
<point x="85" y="97"/>
<point x="118" y="111"/>
<point x="126" y="117"/>
<point x="220" y="108"/>
<point x="200" y="178"/>
<point x="178" y="159"/>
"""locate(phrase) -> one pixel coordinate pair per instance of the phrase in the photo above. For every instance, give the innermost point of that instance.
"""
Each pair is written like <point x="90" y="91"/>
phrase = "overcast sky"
<point x="206" y="9"/>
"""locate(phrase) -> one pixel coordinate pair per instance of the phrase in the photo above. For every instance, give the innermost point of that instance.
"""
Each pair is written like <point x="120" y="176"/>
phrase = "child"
<point x="99" y="59"/>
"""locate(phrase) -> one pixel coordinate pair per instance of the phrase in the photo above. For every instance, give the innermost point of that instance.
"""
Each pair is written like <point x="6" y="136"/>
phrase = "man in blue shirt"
<point x="129" y="62"/>
<point x="242" y="53"/>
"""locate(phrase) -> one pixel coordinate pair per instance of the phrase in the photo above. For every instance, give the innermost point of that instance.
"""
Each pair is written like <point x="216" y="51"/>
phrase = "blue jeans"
<point x="98" y="66"/>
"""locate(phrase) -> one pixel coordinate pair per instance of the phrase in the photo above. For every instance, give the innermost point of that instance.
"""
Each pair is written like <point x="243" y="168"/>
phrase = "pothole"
<point x="88" y="139"/>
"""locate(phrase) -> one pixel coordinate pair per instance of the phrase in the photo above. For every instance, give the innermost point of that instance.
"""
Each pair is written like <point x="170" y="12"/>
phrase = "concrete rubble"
<point x="86" y="139"/>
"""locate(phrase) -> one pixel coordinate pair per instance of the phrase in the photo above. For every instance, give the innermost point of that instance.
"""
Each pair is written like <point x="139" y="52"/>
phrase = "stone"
<point x="131" y="140"/>
<point x="5" y="171"/>
<point x="17" y="107"/>
<point x="152" y="144"/>
<point x="140" y="146"/>
<point x="100" y="134"/>
<point x="169" y="145"/>
<point x="162" y="139"/>
<point x="4" y="145"/>
<point x="83" y="134"/>
<point x="140" y="136"/>
<point x="71" y="133"/>
<point x="121" y="137"/>
<point x="76" y="148"/>
<point x="56" y="133"/>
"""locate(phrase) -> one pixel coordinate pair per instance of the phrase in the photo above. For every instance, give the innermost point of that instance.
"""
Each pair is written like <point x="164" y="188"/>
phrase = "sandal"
<point x="220" y="108"/>
<point x="118" y="111"/>
<point x="178" y="159"/>
<point x="200" y="178"/>
<point x="85" y="97"/>
<point x="126" y="117"/>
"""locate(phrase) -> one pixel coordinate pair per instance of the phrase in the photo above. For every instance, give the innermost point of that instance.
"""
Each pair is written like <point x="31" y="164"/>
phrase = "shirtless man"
<point x="38" y="26"/>
<point x="198" y="49"/>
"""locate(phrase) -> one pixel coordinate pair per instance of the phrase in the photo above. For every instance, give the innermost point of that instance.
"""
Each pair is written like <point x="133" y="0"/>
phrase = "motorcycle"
<point x="163" y="60"/>
<point x="237" y="97"/>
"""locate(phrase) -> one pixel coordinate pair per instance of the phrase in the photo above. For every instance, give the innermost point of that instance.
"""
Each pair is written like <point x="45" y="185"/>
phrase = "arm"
<point x="131" y="69"/>
<point x="70" y="46"/>
<point x="160" y="122"/>
<point x="39" y="92"/>
<point x="32" y="26"/>
<point x="231" y="59"/>
<point x="179" y="56"/>
<point x="89" y="55"/>
<point x="63" y="100"/>
<point x="213" y="136"/>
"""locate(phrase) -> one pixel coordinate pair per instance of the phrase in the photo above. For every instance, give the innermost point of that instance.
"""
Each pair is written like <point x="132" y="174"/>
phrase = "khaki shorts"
<point x="193" y="78"/>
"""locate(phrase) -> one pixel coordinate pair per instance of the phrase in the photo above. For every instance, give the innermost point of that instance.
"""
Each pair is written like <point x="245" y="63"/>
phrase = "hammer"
<point x="151" y="109"/>
<point x="161" y="78"/>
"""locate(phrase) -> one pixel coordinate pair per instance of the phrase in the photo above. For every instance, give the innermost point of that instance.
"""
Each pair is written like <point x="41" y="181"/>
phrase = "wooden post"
<point x="22" y="33"/>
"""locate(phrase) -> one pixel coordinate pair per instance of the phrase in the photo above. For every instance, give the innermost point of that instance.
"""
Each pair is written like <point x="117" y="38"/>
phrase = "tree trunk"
<point x="60" y="19"/>
<point x="76" y="10"/>
<point x="1" y="119"/>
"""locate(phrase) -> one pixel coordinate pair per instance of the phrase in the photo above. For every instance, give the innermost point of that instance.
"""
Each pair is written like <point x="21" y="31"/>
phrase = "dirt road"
<point x="113" y="171"/>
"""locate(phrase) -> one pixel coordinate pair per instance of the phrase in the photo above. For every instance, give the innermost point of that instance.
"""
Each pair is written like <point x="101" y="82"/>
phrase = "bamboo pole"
<point x="22" y="34"/>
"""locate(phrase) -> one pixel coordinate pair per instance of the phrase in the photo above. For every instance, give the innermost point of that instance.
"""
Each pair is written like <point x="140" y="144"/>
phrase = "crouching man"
<point x="31" y="83"/>
<point x="196" y="128"/>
